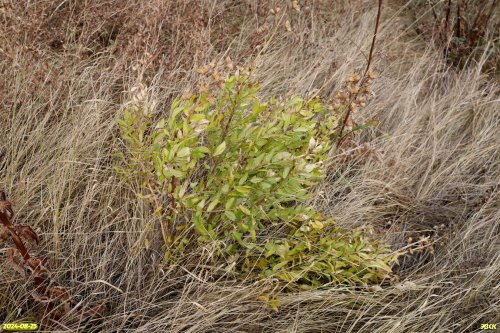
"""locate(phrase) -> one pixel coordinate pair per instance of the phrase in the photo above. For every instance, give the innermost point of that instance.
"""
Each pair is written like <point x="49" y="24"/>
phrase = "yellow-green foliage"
<point x="224" y="166"/>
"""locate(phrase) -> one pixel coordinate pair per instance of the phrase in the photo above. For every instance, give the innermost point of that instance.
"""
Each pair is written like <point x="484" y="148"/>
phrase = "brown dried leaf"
<point x="216" y="75"/>
<point x="95" y="311"/>
<point x="14" y="262"/>
<point x="62" y="295"/>
<point x="36" y="265"/>
<point x="40" y="297"/>
<point x="353" y="89"/>
<point x="6" y="208"/>
<point x="372" y="74"/>
<point x="202" y="69"/>
<point x="203" y="88"/>
<point x="354" y="78"/>
<point x="25" y="231"/>
<point x="229" y="63"/>
<point x="187" y="95"/>
<point x="4" y="233"/>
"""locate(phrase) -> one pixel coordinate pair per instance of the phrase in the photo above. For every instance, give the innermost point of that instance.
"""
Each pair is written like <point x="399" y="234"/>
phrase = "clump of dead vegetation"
<point x="55" y="301"/>
<point x="463" y="30"/>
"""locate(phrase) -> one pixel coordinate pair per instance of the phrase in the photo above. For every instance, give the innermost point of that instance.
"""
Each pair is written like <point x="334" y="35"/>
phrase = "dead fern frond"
<point x="50" y="296"/>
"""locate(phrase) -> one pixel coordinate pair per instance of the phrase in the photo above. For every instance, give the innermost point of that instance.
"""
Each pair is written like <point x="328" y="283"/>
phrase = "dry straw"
<point x="60" y="95"/>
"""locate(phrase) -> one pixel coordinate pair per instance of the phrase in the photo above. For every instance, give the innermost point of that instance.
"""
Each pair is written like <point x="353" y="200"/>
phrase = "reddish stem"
<point x="4" y="218"/>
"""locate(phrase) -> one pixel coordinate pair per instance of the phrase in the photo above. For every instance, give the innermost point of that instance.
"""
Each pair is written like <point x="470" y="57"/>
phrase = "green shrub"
<point x="227" y="167"/>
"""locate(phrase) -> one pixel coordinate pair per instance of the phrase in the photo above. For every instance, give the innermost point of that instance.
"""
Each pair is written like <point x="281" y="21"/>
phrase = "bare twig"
<point x="447" y="20"/>
<point x="370" y="57"/>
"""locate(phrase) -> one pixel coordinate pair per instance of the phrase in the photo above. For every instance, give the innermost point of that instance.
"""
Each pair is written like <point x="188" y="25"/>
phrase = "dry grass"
<point x="438" y="176"/>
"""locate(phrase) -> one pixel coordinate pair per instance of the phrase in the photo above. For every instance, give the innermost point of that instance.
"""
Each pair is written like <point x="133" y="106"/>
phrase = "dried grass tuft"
<point x="427" y="182"/>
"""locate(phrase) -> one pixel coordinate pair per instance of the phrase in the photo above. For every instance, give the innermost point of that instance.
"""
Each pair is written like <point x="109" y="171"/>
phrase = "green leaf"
<point x="201" y="204"/>
<point x="286" y="171"/>
<point x="256" y="180"/>
<point x="284" y="155"/>
<point x="197" y="117"/>
<point x="202" y="149"/>
<point x="301" y="129"/>
<point x="317" y="225"/>
<point x="229" y="84"/>
<point x="280" y="265"/>
<point x="237" y="236"/>
<point x="243" y="189"/>
<point x="230" y="215"/>
<point x="212" y="205"/>
<point x="229" y="203"/>
<point x="175" y="112"/>
<point x="274" y="304"/>
<point x="245" y="210"/>
<point x="199" y="225"/>
<point x="225" y="188"/>
<point x="265" y="185"/>
<point x="243" y="227"/>
<point x="199" y="152"/>
<point x="380" y="264"/>
<point x="169" y="172"/>
<point x="220" y="149"/>
<point x="160" y="124"/>
<point x="186" y="151"/>
<point x="243" y="179"/>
